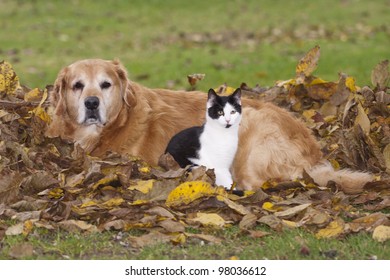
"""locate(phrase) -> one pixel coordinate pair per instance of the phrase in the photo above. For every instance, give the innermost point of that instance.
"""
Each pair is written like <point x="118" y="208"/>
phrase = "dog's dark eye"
<point x="105" y="85"/>
<point x="78" y="86"/>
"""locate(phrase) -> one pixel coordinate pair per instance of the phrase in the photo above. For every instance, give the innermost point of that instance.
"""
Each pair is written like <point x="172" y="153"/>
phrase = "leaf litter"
<point x="48" y="183"/>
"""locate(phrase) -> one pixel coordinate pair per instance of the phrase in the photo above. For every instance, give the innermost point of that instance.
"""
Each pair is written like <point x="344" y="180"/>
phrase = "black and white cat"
<point x="214" y="144"/>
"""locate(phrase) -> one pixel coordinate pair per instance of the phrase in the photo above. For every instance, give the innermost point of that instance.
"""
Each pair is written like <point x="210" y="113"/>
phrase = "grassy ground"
<point x="292" y="244"/>
<point x="160" y="42"/>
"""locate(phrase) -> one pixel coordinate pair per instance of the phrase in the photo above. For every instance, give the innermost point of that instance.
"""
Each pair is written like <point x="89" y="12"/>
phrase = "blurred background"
<point x="161" y="42"/>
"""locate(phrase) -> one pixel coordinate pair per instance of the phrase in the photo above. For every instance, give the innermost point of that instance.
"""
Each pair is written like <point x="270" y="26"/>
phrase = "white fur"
<point x="219" y="145"/>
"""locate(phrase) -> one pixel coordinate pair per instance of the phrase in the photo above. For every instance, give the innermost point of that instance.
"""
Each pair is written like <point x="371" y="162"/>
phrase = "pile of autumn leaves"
<point x="46" y="183"/>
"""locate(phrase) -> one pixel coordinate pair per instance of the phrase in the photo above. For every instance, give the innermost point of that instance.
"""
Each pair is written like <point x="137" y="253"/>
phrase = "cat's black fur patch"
<point x="185" y="145"/>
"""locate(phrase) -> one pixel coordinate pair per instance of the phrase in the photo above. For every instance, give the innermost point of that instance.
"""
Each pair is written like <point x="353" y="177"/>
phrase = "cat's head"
<point x="225" y="110"/>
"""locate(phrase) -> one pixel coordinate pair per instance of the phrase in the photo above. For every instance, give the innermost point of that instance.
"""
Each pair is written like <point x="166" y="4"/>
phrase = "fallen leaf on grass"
<point x="381" y="233"/>
<point x="248" y="221"/>
<point x="149" y="239"/>
<point x="292" y="211"/>
<point x="21" y="251"/>
<point x="15" y="229"/>
<point x="369" y="222"/>
<point x="334" y="229"/>
<point x="187" y="192"/>
<point x="205" y="237"/>
<point x="209" y="219"/>
<point x="77" y="226"/>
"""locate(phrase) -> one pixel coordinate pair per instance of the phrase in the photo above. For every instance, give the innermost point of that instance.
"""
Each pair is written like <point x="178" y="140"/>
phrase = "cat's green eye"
<point x="220" y="112"/>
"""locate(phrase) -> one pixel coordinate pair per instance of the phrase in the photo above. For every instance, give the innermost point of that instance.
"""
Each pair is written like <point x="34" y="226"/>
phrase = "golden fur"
<point x="140" y="121"/>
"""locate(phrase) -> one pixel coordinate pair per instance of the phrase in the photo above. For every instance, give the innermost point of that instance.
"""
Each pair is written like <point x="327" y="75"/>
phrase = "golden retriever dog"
<point x="99" y="108"/>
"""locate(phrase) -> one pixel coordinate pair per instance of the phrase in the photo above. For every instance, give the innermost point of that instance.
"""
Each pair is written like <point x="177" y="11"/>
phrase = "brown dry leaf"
<point x="334" y="229"/>
<point x="149" y="239"/>
<point x="273" y="222"/>
<point x="9" y="186"/>
<point x="167" y="162"/>
<point x="15" y="229"/>
<point x="316" y="217"/>
<point x="77" y="226"/>
<point x="386" y="155"/>
<point x="380" y="75"/>
<point x="248" y="221"/>
<point x="21" y="251"/>
<point x="194" y="78"/>
<point x="362" y="119"/>
<point x="171" y="225"/>
<point x="369" y="222"/>
<point x="205" y="237"/>
<point x="160" y="211"/>
<point x="289" y="213"/>
<point x="235" y="206"/>
<point x="116" y="224"/>
<point x="307" y="64"/>
<point x="381" y="233"/>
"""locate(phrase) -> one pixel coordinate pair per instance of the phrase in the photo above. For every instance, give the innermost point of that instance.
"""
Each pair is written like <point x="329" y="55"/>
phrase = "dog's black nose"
<point x="91" y="102"/>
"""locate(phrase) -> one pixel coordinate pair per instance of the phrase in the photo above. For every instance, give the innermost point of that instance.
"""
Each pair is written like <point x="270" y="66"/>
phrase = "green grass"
<point x="163" y="41"/>
<point x="262" y="40"/>
<point x="291" y="244"/>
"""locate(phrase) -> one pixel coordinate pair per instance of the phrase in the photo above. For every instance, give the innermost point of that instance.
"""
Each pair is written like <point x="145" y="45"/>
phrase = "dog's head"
<point x="91" y="92"/>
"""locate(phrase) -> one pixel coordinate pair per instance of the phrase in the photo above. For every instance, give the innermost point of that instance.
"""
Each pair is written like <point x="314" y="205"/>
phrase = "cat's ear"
<point x="237" y="96"/>
<point x="212" y="95"/>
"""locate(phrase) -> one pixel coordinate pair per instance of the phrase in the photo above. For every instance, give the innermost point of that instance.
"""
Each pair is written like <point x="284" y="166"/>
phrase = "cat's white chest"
<point x="218" y="147"/>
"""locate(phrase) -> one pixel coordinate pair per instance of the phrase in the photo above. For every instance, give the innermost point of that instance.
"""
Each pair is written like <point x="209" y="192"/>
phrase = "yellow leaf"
<point x="41" y="113"/>
<point x="268" y="184"/>
<point x="334" y="229"/>
<point x="290" y="224"/>
<point x="56" y="193"/>
<point x="317" y="81"/>
<point x="178" y="238"/>
<point x="381" y="233"/>
<point x="27" y="227"/>
<point x="88" y="203"/>
<point x="187" y="192"/>
<point x="140" y="202"/>
<point x="113" y="202"/>
<point x="33" y="95"/>
<point x="224" y="90"/>
<point x="269" y="206"/>
<point x="143" y="186"/>
<point x="145" y="169"/>
<point x="350" y="84"/>
<point x="9" y="81"/>
<point x="308" y="63"/>
<point x="105" y="181"/>
<point x="209" y="219"/>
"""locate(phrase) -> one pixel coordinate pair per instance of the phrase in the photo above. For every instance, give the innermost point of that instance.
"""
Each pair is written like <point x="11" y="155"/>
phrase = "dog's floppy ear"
<point x="57" y="101"/>
<point x="126" y="89"/>
<point x="57" y="95"/>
